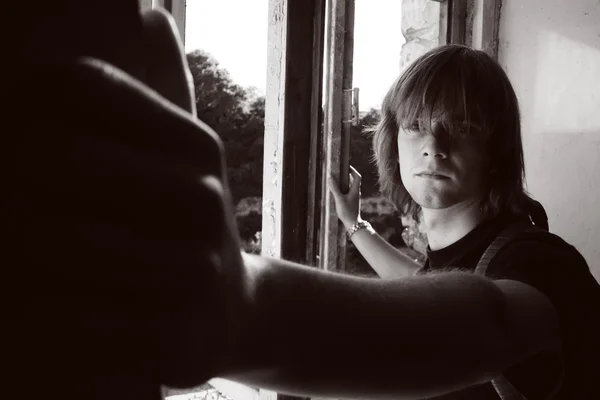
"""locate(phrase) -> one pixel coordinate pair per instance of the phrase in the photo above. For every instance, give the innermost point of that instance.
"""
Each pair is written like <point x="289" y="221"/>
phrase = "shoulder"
<point x="538" y="254"/>
<point x="547" y="263"/>
<point x="555" y="268"/>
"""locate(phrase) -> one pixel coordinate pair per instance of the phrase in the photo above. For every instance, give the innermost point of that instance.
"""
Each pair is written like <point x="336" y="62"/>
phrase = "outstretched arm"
<point x="322" y="334"/>
<point x="387" y="261"/>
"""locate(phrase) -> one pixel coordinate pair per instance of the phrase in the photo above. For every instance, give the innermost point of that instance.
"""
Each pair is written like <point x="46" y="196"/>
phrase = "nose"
<point x="436" y="141"/>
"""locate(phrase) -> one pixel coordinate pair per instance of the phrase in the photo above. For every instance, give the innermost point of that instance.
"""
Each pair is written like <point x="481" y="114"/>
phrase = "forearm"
<point x="387" y="261"/>
<point x="314" y="333"/>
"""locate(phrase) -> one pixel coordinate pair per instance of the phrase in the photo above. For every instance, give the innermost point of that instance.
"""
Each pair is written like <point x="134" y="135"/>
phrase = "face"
<point x="443" y="166"/>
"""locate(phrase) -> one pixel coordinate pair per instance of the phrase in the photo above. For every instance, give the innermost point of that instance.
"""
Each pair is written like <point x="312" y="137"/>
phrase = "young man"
<point x="127" y="270"/>
<point x="449" y="150"/>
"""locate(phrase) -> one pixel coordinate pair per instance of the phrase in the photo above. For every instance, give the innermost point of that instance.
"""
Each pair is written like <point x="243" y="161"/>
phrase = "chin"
<point x="435" y="201"/>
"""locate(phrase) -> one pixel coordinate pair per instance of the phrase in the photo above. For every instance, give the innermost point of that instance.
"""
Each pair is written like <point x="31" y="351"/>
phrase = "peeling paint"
<point x="420" y="28"/>
<point x="275" y="97"/>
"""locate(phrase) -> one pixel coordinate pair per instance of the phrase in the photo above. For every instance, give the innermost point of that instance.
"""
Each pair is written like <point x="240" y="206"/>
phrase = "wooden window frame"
<point x="474" y="23"/>
<point x="453" y="15"/>
<point x="483" y="21"/>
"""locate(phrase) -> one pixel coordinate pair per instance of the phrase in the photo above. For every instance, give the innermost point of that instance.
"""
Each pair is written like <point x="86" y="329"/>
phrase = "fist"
<point x="129" y="257"/>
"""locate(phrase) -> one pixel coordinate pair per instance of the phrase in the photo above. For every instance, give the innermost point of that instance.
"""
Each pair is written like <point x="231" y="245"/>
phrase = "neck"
<point x="447" y="226"/>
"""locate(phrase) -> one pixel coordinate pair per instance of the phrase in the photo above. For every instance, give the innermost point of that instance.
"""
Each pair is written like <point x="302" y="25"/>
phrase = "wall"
<point x="420" y="27"/>
<point x="551" y="52"/>
<point x="145" y="4"/>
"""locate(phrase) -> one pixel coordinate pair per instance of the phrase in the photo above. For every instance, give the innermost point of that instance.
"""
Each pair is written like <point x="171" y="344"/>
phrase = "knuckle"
<point x="208" y="149"/>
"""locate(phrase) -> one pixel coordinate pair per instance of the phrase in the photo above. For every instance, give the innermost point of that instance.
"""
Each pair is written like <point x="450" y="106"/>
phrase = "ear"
<point x="167" y="70"/>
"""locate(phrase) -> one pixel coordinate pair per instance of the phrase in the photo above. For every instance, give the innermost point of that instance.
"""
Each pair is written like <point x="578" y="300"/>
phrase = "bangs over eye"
<point x="444" y="88"/>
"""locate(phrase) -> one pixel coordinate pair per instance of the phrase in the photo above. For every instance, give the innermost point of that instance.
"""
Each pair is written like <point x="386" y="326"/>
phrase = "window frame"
<point x="483" y="21"/>
<point x="474" y="23"/>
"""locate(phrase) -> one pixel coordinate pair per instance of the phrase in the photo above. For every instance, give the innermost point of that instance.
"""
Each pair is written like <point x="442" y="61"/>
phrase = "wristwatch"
<point x="361" y="224"/>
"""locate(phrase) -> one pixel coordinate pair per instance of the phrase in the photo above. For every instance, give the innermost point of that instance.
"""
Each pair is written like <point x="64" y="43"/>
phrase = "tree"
<point x="220" y="102"/>
<point x="237" y="115"/>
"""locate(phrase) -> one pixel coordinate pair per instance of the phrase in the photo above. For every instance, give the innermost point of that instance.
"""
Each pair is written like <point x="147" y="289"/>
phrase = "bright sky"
<point x="234" y="32"/>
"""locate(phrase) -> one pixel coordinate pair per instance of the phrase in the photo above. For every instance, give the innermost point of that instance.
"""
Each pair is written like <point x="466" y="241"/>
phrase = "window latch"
<point x="351" y="113"/>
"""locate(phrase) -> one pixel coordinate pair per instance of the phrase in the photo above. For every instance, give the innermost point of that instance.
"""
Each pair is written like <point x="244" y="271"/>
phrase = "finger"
<point x="334" y="187"/>
<point x="193" y="141"/>
<point x="110" y="204"/>
<point x="167" y="69"/>
<point x="354" y="173"/>
<point x="356" y="180"/>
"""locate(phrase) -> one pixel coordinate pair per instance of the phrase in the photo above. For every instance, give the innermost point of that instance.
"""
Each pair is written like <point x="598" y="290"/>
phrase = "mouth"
<point x="432" y="175"/>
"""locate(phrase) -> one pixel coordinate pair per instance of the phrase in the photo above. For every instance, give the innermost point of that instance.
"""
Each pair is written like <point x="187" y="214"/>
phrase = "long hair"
<point x="455" y="78"/>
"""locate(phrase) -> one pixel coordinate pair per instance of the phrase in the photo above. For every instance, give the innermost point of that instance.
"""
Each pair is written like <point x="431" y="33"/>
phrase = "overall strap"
<point x="503" y="387"/>
<point x="507" y="235"/>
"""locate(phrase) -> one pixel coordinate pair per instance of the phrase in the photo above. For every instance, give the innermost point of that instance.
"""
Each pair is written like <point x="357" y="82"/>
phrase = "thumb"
<point x="356" y="180"/>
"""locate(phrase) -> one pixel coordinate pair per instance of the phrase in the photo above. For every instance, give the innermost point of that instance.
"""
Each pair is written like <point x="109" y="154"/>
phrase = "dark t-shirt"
<point x="557" y="270"/>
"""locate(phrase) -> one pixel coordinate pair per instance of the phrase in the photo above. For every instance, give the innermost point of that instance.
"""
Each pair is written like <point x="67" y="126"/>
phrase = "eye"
<point x="462" y="130"/>
<point x="412" y="127"/>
